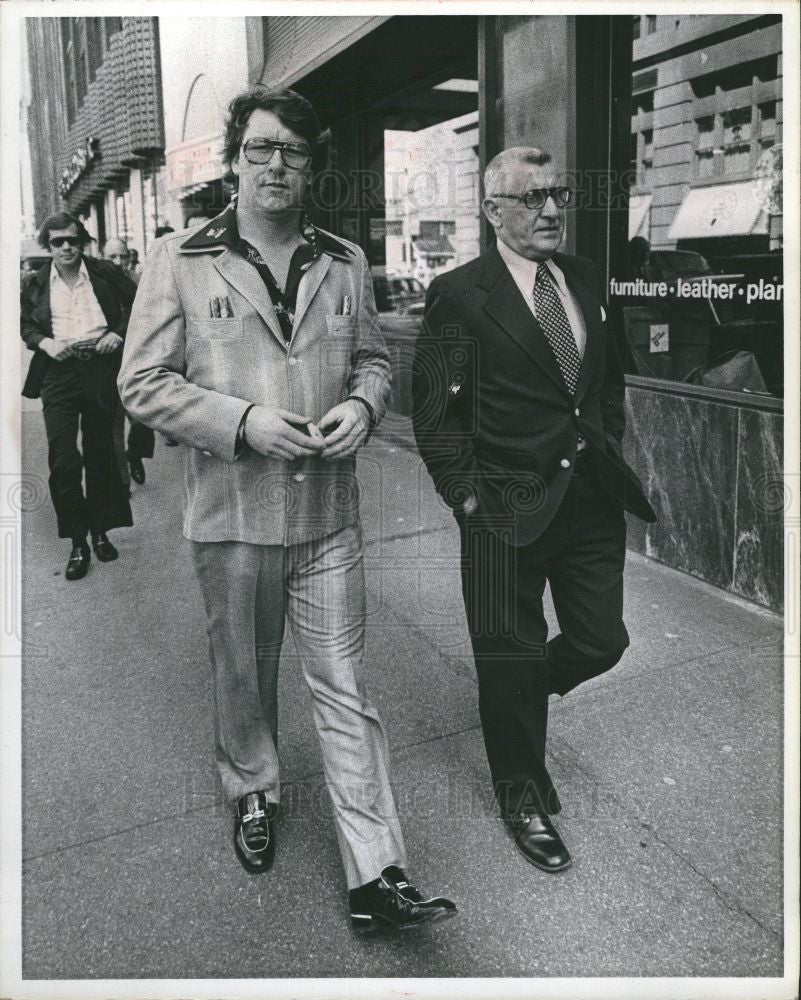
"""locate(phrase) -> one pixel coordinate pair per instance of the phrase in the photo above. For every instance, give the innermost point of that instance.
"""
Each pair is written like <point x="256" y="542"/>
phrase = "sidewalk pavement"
<point x="669" y="769"/>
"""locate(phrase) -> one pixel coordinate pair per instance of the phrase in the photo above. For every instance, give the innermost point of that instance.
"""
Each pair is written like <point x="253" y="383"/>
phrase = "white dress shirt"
<point x="524" y="272"/>
<point x="75" y="311"/>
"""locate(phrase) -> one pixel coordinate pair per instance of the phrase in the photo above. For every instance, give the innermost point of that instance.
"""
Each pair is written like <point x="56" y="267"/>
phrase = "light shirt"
<point x="76" y="313"/>
<point x="524" y="272"/>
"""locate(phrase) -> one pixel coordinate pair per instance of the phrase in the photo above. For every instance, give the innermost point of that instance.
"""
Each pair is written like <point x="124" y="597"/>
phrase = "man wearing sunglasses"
<point x="74" y="314"/>
<point x="254" y="341"/>
<point x="518" y="415"/>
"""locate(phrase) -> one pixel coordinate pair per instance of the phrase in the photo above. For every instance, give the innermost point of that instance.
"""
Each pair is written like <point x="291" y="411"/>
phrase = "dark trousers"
<point x="83" y="394"/>
<point x="581" y="555"/>
<point x="141" y="440"/>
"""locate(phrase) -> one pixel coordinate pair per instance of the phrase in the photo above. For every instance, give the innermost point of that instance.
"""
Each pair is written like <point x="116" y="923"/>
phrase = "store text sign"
<point x="192" y="163"/>
<point x="78" y="165"/>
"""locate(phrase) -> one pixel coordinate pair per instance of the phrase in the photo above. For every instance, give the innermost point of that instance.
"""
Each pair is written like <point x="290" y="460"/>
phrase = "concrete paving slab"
<point x="697" y="753"/>
<point x="621" y="910"/>
<point x="129" y="869"/>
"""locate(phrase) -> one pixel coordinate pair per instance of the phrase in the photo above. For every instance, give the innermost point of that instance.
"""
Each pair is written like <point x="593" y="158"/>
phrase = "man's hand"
<point x="274" y="432"/>
<point x="108" y="343"/>
<point x="58" y="350"/>
<point x="351" y="422"/>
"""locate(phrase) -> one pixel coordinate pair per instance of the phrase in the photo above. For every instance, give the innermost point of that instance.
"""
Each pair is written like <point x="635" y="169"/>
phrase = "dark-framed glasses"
<point x="536" y="197"/>
<point x="294" y="154"/>
<point x="60" y="241"/>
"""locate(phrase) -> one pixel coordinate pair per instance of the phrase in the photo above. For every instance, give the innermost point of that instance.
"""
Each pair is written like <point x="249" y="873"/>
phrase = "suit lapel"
<point x="42" y="313"/>
<point x="246" y="280"/>
<point x="592" y="322"/>
<point x="509" y="309"/>
<point x="308" y="287"/>
<point x="103" y="294"/>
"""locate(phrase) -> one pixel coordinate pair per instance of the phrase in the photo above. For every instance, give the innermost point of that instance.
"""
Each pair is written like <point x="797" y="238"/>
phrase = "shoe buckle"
<point x="256" y="814"/>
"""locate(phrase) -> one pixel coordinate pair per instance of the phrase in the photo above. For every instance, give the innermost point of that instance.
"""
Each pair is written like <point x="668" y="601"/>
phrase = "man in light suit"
<point x="255" y="342"/>
<point x="518" y="415"/>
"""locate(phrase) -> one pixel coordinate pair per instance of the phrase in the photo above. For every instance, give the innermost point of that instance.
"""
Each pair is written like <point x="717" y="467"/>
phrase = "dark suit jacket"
<point x="492" y="414"/>
<point x="115" y="294"/>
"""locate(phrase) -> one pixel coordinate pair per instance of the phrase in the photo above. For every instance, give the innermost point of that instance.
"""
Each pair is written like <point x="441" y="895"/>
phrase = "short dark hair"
<point x="291" y="109"/>
<point x="163" y="230"/>
<point x="62" y="220"/>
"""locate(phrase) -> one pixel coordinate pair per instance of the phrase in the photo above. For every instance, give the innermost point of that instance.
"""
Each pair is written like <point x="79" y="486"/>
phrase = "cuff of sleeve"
<point x="373" y="420"/>
<point x="370" y="410"/>
<point x="241" y="441"/>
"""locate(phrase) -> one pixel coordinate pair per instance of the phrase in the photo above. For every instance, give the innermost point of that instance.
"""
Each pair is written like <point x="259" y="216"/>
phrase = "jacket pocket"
<point x="214" y="329"/>
<point x="341" y="326"/>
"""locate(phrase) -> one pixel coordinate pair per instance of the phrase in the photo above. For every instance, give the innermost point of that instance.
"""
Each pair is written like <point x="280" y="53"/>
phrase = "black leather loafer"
<point x="254" y="835"/>
<point x="539" y="843"/>
<point x="103" y="548"/>
<point x="78" y="562"/>
<point x="392" y="902"/>
<point x="137" y="468"/>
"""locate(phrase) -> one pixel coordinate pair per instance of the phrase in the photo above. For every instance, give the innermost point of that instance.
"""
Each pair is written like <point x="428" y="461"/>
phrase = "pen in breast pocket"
<point x="345" y="311"/>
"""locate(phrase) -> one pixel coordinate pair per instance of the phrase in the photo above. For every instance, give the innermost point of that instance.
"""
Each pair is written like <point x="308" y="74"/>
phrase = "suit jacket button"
<point x="578" y="412"/>
<point x="565" y="463"/>
<point x="208" y="453"/>
<point x="298" y="477"/>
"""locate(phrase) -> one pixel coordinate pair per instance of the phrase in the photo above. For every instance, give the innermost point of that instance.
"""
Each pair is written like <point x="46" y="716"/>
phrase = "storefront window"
<point x="700" y="293"/>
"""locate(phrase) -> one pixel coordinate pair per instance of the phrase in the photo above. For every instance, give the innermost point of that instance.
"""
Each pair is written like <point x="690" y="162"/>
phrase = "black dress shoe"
<point x="393" y="902"/>
<point x="254" y="835"/>
<point x="103" y="548"/>
<point x="78" y="562"/>
<point x="539" y="843"/>
<point x="137" y="468"/>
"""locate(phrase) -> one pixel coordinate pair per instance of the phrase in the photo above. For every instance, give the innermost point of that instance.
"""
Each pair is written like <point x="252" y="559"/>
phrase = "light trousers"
<point x="250" y="591"/>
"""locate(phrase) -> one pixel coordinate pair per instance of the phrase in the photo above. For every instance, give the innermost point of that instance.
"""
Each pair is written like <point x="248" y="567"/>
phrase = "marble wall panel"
<point x="685" y="452"/>
<point x="761" y="497"/>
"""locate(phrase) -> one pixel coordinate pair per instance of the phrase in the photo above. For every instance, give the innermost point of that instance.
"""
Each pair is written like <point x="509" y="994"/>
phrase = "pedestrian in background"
<point x="518" y="415"/>
<point x="74" y="314"/>
<point x="141" y="439"/>
<point x="255" y="342"/>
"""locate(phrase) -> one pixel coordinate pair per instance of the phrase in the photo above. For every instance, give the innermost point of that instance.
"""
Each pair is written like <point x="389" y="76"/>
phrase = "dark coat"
<point x="114" y="291"/>
<point x="492" y="414"/>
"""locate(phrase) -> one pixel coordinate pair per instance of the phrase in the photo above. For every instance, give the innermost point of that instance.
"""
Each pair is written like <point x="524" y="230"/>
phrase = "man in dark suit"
<point x="518" y="415"/>
<point x="74" y="313"/>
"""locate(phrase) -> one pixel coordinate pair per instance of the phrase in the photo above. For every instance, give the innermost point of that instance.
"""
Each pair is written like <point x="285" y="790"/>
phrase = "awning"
<point x="639" y="215"/>
<point x="294" y="46"/>
<point x="431" y="245"/>
<point x="721" y="210"/>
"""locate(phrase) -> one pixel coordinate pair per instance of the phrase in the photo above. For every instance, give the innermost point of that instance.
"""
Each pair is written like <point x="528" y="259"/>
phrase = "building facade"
<point x="668" y="126"/>
<point x="96" y="123"/>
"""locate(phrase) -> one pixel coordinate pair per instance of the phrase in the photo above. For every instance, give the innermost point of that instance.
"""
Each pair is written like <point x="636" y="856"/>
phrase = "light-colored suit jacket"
<point x="192" y="377"/>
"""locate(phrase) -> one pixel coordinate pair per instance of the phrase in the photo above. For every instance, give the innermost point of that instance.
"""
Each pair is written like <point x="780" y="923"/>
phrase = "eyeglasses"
<point x="60" y="241"/>
<point x="536" y="197"/>
<point x="294" y="154"/>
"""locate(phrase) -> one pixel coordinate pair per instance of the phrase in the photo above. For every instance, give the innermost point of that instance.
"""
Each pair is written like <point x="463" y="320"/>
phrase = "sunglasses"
<point x="536" y="197"/>
<point x="294" y="154"/>
<point x="60" y="241"/>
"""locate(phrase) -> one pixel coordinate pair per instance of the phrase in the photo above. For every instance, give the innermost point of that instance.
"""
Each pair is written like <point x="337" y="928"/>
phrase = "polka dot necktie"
<point x="551" y="316"/>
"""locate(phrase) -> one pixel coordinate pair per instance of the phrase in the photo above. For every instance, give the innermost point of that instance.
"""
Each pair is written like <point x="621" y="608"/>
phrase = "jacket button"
<point x="293" y="361"/>
<point x="565" y="463"/>
<point x="299" y="477"/>
<point x="208" y="453"/>
<point x="578" y="412"/>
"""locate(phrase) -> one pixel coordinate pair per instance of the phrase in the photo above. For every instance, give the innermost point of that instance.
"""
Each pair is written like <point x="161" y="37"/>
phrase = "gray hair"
<point x="499" y="165"/>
